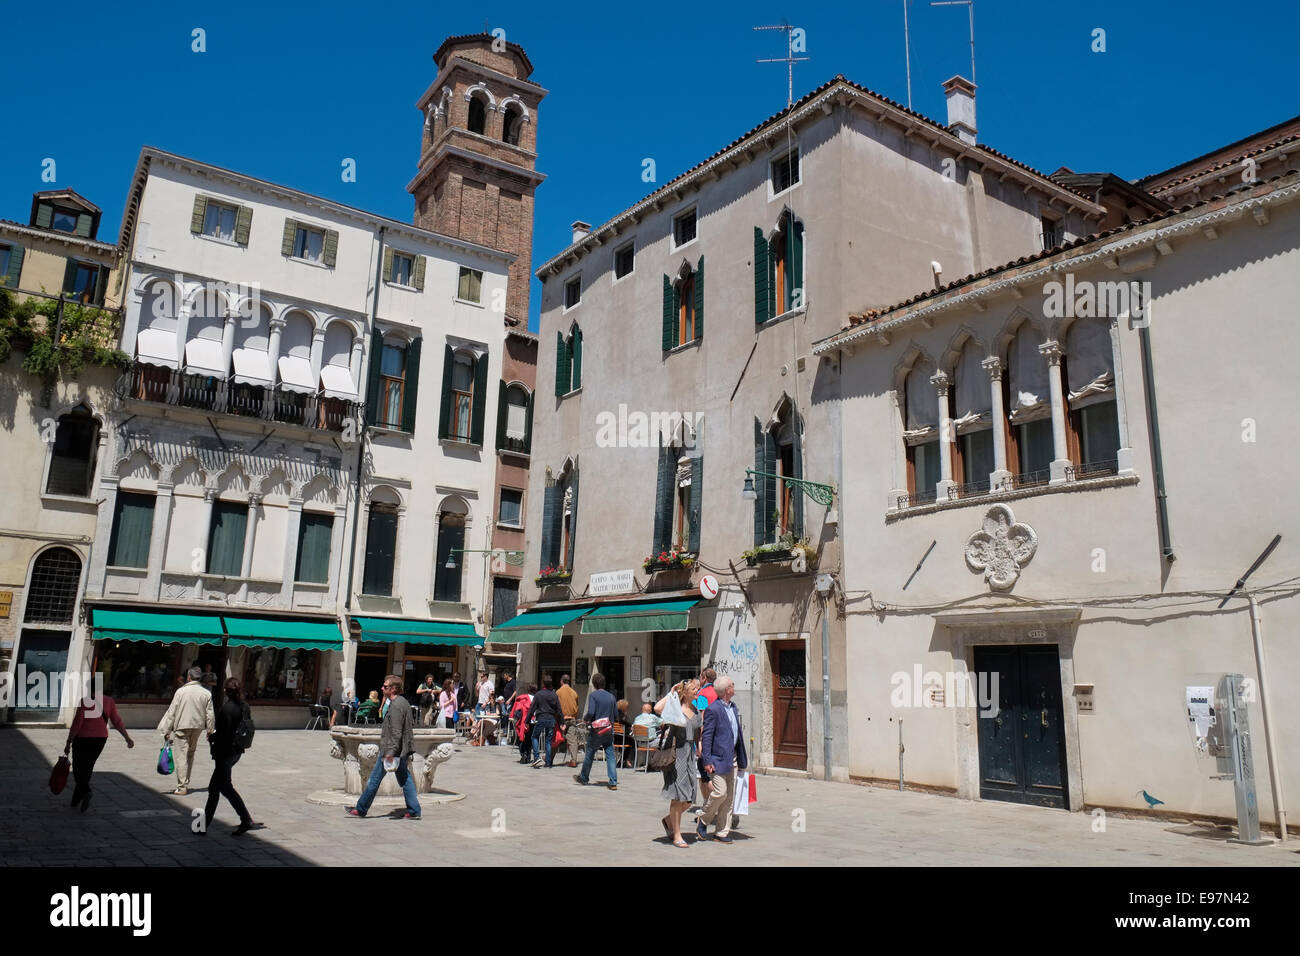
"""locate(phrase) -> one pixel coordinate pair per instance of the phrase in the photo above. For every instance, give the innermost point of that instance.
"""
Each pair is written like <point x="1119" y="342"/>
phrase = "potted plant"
<point x="784" y="548"/>
<point x="668" y="560"/>
<point x="553" y="575"/>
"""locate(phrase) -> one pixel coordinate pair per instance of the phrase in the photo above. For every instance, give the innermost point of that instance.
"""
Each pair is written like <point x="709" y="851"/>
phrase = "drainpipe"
<point x="1274" y="770"/>
<point x="1153" y="422"/>
<point x="361" y="434"/>
<point x="826" y="688"/>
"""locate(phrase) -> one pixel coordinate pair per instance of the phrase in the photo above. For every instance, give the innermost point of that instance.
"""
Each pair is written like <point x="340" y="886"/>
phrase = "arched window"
<point x="971" y="409"/>
<point x="1092" y="428"/>
<point x="477" y="114"/>
<point x="678" y="495"/>
<point x="381" y="543"/>
<point x="785" y="265"/>
<point x="72" y="459"/>
<point x="450" y="556"/>
<point x="1028" y="404"/>
<point x="559" y="518"/>
<point x="921" y="432"/>
<point x="52" y="595"/>
<point x="684" y="306"/>
<point x="206" y="326"/>
<point x="568" y="361"/>
<point x="511" y="124"/>
<point x="778" y="506"/>
<point x="515" y="419"/>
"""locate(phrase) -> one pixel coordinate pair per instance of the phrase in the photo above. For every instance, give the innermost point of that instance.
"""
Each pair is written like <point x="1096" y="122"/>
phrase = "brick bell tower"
<point x="478" y="153"/>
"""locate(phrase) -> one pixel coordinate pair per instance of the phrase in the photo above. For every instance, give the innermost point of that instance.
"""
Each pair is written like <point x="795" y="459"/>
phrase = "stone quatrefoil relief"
<point x="1001" y="549"/>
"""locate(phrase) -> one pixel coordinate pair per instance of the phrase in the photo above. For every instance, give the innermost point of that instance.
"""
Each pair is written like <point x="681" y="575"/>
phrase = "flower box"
<point x="769" y="556"/>
<point x="668" y="561"/>
<point x="553" y="576"/>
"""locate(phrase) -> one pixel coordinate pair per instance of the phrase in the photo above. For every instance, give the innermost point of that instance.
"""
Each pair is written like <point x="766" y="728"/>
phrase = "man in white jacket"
<point x="187" y="719"/>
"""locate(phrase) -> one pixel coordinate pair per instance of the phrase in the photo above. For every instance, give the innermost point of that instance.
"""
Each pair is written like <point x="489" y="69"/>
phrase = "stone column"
<point x="250" y="534"/>
<point x="336" y="582"/>
<point x="209" y="502"/>
<point x="103" y="532"/>
<point x="293" y="527"/>
<point x="941" y="382"/>
<point x="317" y="353"/>
<point x="162" y="522"/>
<point x="273" y="347"/>
<point x="1125" y="452"/>
<point x="993" y="365"/>
<point x="354" y="362"/>
<point x="182" y="330"/>
<point x="1051" y="350"/>
<point x="228" y="338"/>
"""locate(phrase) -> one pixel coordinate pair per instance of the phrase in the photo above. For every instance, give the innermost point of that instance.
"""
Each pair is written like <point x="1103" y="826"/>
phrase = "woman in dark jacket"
<point x="225" y="755"/>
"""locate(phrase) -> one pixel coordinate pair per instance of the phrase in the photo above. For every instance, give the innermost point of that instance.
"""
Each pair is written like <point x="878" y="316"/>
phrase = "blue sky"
<point x="286" y="91"/>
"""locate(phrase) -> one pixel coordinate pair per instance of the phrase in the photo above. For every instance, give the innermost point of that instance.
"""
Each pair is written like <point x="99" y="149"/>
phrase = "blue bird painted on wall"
<point x="1152" y="802"/>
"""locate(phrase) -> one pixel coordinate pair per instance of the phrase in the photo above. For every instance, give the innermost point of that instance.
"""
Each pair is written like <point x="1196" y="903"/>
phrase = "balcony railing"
<point x="969" y="490"/>
<point x="1093" y="469"/>
<point x="162" y="386"/>
<point x="1026" y="479"/>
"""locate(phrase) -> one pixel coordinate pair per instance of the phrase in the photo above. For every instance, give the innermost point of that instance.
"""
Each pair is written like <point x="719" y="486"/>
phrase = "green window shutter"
<point x="699" y="299"/>
<point x="132" y="528"/>
<point x="478" y="407"/>
<point x="528" y="426"/>
<point x="226" y="538"/>
<point x="44" y="216"/>
<point x="372" y="382"/>
<point x="576" y="346"/>
<point x="760" y="278"/>
<point x="243" y="223"/>
<point x="330" y="255"/>
<point x="447" y="581"/>
<point x="200" y="213"/>
<point x="314" y="539"/>
<point x="418" y="273"/>
<point x="697" y="500"/>
<point x="69" y="276"/>
<point x="388" y="265"/>
<point x="664" y="482"/>
<point x="15" y="271"/>
<point x="573" y="519"/>
<point x="552" y="503"/>
<point x="502" y="408"/>
<point x="677" y="313"/>
<point x="797" y="519"/>
<point x="412" y="386"/>
<point x="101" y="285"/>
<point x="668" y="314"/>
<point x="561" y="366"/>
<point x="769" y="486"/>
<point x="290" y="231"/>
<point x="774" y="308"/>
<point x="84" y="221"/>
<point x="796" y="255"/>
<point x="444" y="414"/>
<point x="381" y="548"/>
<point x="760" y="505"/>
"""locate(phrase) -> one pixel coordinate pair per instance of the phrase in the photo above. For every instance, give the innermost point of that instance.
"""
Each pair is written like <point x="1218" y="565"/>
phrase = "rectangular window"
<point x="572" y="292"/>
<point x="226" y="538"/>
<point x="1053" y="234"/>
<point x="516" y="420"/>
<point x="977" y="458"/>
<point x="85" y="281"/>
<point x="308" y="243"/>
<point x="314" y="537"/>
<point x="4" y="263"/>
<point x="1034" y="440"/>
<point x="219" y="221"/>
<point x="511" y="513"/>
<point x="624" y="259"/>
<point x="128" y="545"/>
<point x="381" y="548"/>
<point x="64" y="220"/>
<point x="462" y="396"/>
<point x="505" y="599"/>
<point x="72" y="461"/>
<point x="392" y="385"/>
<point x="926" y="470"/>
<point x="1099" y="437"/>
<point x="684" y="228"/>
<point x="686" y="311"/>
<point x="470" y="285"/>
<point x="785" y="172"/>
<point x="683" y="516"/>
<point x="402" y="269"/>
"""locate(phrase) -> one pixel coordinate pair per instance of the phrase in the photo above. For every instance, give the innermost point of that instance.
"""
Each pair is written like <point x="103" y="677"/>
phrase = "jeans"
<point x="545" y="729"/>
<point x="611" y="758"/>
<point x="404" y="780"/>
<point x="221" y="785"/>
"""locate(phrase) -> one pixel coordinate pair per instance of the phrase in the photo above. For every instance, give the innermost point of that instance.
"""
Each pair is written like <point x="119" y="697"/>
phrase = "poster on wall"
<point x="634" y="668"/>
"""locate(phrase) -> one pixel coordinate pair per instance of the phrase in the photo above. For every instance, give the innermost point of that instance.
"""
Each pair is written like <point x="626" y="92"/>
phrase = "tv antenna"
<point x="970" y="5"/>
<point x="907" y="51"/>
<point x="789" y="59"/>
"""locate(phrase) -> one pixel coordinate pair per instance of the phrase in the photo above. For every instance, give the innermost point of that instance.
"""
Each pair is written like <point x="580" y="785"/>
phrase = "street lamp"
<point x="822" y="494"/>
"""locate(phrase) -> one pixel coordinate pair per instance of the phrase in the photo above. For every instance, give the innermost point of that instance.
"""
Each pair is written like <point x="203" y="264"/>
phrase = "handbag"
<point x="740" y="803"/>
<point x="59" y="775"/>
<point x="166" y="765"/>
<point x="664" y="756"/>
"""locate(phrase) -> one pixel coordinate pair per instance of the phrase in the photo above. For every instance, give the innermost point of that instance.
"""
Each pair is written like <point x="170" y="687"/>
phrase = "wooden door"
<point x="789" y="705"/>
<point x="1022" y="747"/>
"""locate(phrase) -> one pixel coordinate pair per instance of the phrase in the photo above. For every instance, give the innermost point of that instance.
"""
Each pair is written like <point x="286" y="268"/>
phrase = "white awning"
<point x="203" y="357"/>
<point x="295" y="374"/>
<point x="156" y="347"/>
<point x="337" y="382"/>
<point x="252" y="366"/>
<point x="1089" y="359"/>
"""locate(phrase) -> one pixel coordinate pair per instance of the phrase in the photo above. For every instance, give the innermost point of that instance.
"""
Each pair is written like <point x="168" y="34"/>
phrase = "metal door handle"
<point x="1044" y="716"/>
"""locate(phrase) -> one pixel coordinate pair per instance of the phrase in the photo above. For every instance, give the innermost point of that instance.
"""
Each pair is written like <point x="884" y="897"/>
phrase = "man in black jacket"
<point x="543" y="716"/>
<point x="396" y="743"/>
<point x="225" y="754"/>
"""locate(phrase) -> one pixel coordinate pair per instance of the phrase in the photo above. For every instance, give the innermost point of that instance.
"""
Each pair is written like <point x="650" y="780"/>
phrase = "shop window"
<point x="276" y="673"/>
<point x="139" y="670"/>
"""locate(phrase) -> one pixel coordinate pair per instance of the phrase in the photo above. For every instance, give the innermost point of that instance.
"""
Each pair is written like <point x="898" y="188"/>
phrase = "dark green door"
<point x="1022" y="749"/>
<point x="44" y="653"/>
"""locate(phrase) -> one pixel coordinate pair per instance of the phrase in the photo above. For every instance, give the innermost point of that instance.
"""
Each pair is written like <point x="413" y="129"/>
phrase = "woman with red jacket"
<point x="523" y="704"/>
<point x="86" y="740"/>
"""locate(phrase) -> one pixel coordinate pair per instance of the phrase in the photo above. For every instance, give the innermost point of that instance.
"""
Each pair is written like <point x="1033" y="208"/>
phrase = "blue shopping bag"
<point x="166" y="765"/>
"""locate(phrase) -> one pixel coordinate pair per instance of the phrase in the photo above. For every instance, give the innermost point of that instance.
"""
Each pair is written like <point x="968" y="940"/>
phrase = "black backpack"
<point x="243" y="738"/>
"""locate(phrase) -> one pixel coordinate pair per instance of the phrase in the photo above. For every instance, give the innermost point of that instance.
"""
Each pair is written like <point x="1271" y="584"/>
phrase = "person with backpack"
<point x="233" y="735"/>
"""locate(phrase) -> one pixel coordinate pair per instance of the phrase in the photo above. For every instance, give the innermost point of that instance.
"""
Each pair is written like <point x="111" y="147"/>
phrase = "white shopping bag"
<point x="740" y="803"/>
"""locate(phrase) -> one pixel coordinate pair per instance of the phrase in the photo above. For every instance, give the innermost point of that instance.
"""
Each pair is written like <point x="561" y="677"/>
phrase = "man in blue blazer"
<point x="722" y="749"/>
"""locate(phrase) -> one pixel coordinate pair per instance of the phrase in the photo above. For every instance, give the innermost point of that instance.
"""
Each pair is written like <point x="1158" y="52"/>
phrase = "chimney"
<point x="581" y="230"/>
<point x="961" y="108"/>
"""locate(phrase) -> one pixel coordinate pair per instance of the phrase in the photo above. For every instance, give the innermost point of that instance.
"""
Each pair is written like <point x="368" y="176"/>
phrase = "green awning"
<point x="393" y="630"/>
<point x="295" y="635"/>
<point x="155" y="626"/>
<point x="537" y="627"/>
<point x="625" y="618"/>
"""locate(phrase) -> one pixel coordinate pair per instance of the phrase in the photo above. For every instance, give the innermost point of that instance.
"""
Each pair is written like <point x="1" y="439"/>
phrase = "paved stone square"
<point x="514" y="814"/>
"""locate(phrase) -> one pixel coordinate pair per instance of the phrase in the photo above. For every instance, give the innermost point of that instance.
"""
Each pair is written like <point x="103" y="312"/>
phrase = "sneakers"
<point x="539" y="762"/>
<point x="613" y="786"/>
<point x="354" y="812"/>
<point x="180" y="791"/>
<point x="411" y="816"/>
<point x="577" y="778"/>
<point x="701" y="830"/>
